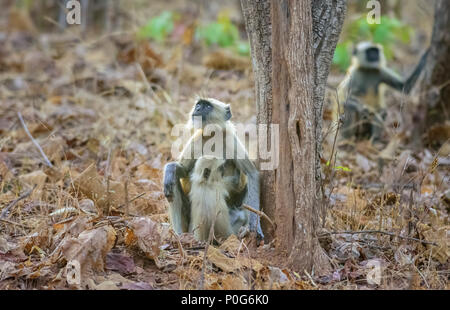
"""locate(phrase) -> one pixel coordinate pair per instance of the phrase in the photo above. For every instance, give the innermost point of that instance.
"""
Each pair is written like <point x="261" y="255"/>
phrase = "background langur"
<point x="240" y="176"/>
<point x="361" y="93"/>
<point x="208" y="200"/>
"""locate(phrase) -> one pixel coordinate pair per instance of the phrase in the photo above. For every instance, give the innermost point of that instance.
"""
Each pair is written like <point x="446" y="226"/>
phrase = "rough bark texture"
<point x="293" y="109"/>
<point x="435" y="83"/>
<point x="328" y="19"/>
<point x="258" y="24"/>
<point x="291" y="70"/>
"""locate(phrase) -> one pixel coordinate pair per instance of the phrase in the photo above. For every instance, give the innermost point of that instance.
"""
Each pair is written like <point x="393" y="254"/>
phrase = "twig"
<point x="180" y="246"/>
<point x="310" y="278"/>
<point x="260" y="213"/>
<point x="47" y="162"/>
<point x="14" y="223"/>
<point x="131" y="200"/>
<point x="14" y="202"/>
<point x="377" y="232"/>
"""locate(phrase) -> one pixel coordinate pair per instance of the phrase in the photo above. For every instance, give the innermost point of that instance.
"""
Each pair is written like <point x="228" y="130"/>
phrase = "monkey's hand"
<point x="172" y="173"/>
<point x="243" y="232"/>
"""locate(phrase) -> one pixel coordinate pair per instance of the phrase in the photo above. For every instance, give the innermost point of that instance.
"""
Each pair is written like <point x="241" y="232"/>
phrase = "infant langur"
<point x="208" y="200"/>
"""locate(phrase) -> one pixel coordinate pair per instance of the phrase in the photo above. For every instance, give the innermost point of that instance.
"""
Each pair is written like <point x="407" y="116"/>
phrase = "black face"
<point x="373" y="54"/>
<point x="206" y="173"/>
<point x="202" y="108"/>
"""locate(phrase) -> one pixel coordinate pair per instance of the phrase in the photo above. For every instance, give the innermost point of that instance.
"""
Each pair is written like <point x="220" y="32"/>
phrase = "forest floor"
<point x="101" y="109"/>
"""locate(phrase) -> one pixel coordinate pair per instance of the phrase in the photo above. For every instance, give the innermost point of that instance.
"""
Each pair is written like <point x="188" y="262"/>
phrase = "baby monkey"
<point x="208" y="200"/>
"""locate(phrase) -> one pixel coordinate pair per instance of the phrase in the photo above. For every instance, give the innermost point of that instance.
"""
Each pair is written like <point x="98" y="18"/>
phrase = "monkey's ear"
<point x="227" y="112"/>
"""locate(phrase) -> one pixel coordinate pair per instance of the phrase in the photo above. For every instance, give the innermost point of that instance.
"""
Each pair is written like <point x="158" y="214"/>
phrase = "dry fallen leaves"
<point x="87" y="253"/>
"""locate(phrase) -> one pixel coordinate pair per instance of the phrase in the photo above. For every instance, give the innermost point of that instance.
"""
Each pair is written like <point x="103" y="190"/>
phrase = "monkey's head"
<point x="210" y="111"/>
<point x="369" y="55"/>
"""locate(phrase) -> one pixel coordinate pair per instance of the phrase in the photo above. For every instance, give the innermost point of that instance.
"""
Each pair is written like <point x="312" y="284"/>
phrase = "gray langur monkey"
<point x="240" y="178"/>
<point x="361" y="94"/>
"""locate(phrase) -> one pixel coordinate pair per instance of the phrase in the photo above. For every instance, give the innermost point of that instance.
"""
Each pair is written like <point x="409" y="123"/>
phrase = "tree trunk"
<point x="257" y="16"/>
<point x="435" y="83"/>
<point x="292" y="49"/>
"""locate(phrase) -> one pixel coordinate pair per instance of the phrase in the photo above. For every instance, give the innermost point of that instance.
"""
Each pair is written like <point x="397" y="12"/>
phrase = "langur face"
<point x="202" y="108"/>
<point x="369" y="55"/>
<point x="373" y="54"/>
<point x="209" y="168"/>
<point x="210" y="111"/>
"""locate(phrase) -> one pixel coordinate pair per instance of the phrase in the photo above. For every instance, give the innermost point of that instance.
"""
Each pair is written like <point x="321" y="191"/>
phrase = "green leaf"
<point x="243" y="48"/>
<point x="222" y="32"/>
<point x="341" y="56"/>
<point x="343" y="168"/>
<point x="159" y="27"/>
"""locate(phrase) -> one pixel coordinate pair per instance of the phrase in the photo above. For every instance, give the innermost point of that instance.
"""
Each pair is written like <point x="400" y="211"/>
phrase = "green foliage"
<point x="24" y="4"/>
<point x="223" y="33"/>
<point x="159" y="27"/>
<point x="243" y="48"/>
<point x="388" y="32"/>
<point x="343" y="168"/>
<point x="341" y="56"/>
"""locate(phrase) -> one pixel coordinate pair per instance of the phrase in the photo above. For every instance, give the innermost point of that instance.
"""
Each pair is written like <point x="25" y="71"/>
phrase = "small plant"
<point x="223" y="33"/>
<point x="337" y="168"/>
<point x="159" y="27"/>
<point x="388" y="32"/>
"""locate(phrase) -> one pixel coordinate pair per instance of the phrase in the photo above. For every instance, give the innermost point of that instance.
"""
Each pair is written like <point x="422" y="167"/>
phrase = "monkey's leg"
<point x="238" y="218"/>
<point x="377" y="126"/>
<point x="351" y="120"/>
<point x="222" y="226"/>
<point x="179" y="204"/>
<point x="200" y="225"/>
<point x="253" y="201"/>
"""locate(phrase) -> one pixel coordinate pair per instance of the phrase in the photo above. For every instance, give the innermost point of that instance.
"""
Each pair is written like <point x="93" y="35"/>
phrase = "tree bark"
<point x="257" y="16"/>
<point x="435" y="82"/>
<point x="292" y="49"/>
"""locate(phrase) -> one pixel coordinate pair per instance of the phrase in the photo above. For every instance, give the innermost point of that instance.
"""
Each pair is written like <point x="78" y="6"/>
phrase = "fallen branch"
<point x="14" y="202"/>
<point x="260" y="213"/>
<point x="47" y="162"/>
<point x="377" y="232"/>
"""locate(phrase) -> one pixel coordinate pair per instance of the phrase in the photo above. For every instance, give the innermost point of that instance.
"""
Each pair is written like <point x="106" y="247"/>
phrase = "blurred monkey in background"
<point x="360" y="96"/>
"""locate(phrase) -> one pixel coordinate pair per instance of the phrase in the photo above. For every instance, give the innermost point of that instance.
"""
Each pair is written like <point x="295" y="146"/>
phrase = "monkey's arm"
<point x="179" y="210"/>
<point x="392" y="79"/>
<point x="180" y="206"/>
